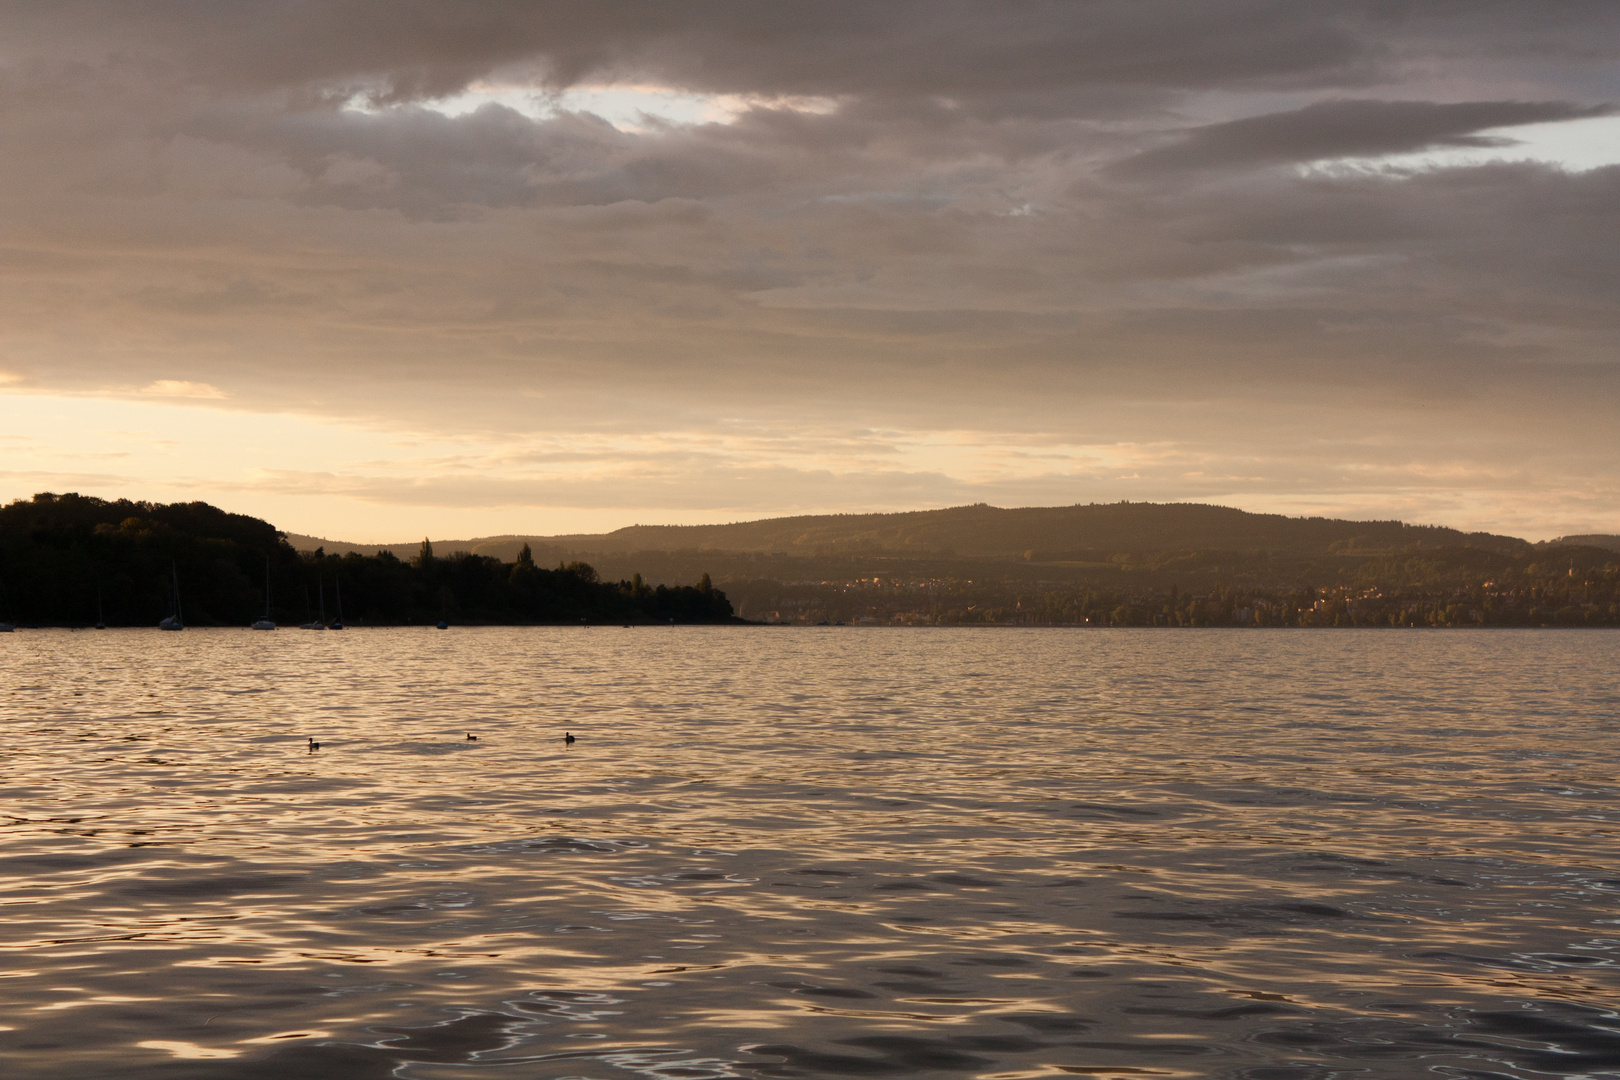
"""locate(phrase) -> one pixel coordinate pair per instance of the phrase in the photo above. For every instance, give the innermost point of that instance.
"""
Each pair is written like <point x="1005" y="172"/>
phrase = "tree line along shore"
<point x="71" y="560"/>
<point x="1536" y="597"/>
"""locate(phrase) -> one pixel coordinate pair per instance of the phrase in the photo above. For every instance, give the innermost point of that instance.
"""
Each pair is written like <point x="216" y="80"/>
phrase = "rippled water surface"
<point x="809" y="852"/>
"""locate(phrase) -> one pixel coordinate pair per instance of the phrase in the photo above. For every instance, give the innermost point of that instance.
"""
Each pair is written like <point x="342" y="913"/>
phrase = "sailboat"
<point x="265" y="623"/>
<point x="172" y="621"/>
<point x="315" y="624"/>
<point x="337" y="624"/>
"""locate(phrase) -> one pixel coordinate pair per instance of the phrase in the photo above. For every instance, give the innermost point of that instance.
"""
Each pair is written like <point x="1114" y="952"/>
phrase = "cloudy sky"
<point x="375" y="270"/>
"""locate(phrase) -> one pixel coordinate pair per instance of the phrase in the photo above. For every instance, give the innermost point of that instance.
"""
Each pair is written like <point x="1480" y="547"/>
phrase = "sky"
<point x="374" y="271"/>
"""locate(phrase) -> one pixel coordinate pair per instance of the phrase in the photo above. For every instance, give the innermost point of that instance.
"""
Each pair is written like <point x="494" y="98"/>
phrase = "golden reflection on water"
<point x="807" y="852"/>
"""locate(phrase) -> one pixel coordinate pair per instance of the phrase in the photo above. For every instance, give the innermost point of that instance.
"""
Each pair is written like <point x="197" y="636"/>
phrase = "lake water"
<point x="806" y="852"/>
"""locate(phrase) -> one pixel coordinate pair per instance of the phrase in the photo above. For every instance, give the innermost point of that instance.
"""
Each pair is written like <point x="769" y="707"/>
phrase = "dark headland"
<point x="64" y="559"/>
<point x="1114" y="564"/>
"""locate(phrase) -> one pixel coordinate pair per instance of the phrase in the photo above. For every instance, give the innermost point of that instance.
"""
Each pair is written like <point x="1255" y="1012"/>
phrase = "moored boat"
<point x="265" y="623"/>
<point x="172" y="621"/>
<point x="320" y="623"/>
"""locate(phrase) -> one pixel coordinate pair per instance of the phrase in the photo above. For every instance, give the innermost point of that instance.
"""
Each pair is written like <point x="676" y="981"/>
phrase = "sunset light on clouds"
<point x="372" y="271"/>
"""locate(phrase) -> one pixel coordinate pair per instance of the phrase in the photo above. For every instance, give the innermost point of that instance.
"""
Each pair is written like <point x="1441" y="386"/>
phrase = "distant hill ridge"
<point x="1597" y="540"/>
<point x="1040" y="533"/>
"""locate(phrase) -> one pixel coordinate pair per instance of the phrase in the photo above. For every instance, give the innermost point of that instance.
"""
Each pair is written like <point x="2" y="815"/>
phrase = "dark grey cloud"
<point x="406" y="49"/>
<point x="1338" y="129"/>
<point x="412" y="48"/>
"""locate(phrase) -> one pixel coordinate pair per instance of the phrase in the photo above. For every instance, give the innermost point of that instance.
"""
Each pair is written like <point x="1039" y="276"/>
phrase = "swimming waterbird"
<point x="471" y="737"/>
<point x="568" y="739"/>
<point x="313" y="745"/>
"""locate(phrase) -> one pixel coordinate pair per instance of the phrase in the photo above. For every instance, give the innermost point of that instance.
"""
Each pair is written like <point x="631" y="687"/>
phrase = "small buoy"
<point x="471" y="737"/>
<point x="568" y="739"/>
<point x="443" y="625"/>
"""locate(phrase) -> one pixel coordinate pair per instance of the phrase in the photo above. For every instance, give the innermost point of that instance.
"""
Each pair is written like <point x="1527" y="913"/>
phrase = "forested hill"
<point x="1037" y="533"/>
<point x="68" y="560"/>
<point x="1609" y="541"/>
<point x="1048" y="532"/>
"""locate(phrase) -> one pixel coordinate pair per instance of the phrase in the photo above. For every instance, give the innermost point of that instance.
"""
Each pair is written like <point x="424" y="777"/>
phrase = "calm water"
<point x="808" y="853"/>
